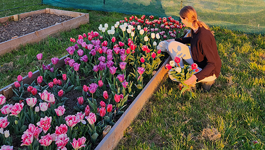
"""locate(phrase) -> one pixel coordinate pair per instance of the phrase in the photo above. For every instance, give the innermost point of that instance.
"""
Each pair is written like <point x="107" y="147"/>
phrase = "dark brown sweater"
<point x="204" y="52"/>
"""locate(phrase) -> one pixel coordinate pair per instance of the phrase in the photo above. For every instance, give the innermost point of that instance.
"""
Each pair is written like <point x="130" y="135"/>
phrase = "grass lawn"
<point x="230" y="116"/>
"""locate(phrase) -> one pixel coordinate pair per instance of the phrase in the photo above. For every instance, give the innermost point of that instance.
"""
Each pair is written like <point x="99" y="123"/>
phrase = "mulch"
<point x="12" y="29"/>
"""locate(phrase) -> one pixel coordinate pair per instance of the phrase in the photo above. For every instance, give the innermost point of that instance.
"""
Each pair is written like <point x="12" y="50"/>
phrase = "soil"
<point x="13" y="29"/>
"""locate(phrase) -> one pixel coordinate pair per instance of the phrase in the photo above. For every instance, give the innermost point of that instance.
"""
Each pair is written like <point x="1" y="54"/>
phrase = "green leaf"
<point x="69" y="88"/>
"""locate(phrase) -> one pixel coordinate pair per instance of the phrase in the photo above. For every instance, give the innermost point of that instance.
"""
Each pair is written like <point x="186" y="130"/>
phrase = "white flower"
<point x="153" y="35"/>
<point x="116" y="25"/>
<point x="109" y="31"/>
<point x="112" y="28"/>
<point x="138" y="27"/>
<point x="172" y="63"/>
<point x="123" y="29"/>
<point x="145" y="38"/>
<point x="178" y="69"/>
<point x="130" y="27"/>
<point x="129" y="31"/>
<point x="112" y="31"/>
<point x="2" y="130"/>
<point x="132" y="34"/>
<point x="154" y="44"/>
<point x="141" y="31"/>
<point x="125" y="24"/>
<point x="7" y="133"/>
<point x="103" y="30"/>
<point x="106" y="25"/>
<point x="100" y="27"/>
<point x="158" y="36"/>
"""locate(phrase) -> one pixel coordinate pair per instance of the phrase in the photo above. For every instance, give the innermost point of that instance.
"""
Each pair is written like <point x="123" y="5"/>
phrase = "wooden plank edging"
<point x="111" y="140"/>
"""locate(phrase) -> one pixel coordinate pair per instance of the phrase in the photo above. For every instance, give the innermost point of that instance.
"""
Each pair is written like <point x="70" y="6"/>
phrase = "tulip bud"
<point x="7" y="133"/>
<point x="17" y="85"/>
<point x="16" y="122"/>
<point x="80" y="100"/>
<point x="37" y="109"/>
<point x="34" y="91"/>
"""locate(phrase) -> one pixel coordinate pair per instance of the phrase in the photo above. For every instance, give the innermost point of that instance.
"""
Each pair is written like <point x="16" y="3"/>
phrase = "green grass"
<point x="234" y="106"/>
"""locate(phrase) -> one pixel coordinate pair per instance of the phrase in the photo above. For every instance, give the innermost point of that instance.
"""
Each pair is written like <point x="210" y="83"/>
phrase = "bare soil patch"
<point x="13" y="29"/>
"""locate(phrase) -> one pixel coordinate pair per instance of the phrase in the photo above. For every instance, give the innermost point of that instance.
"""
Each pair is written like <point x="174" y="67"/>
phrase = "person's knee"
<point x="172" y="44"/>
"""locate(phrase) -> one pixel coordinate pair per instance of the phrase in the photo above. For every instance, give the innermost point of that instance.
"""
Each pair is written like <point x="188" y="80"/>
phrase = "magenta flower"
<point x="66" y="60"/>
<point x="90" y="46"/>
<point x="71" y="62"/>
<point x="76" y="66"/>
<point x="110" y="63"/>
<point x="122" y="65"/>
<point x="95" y="68"/>
<point x="102" y="104"/>
<point x="105" y="95"/>
<point x="76" y="46"/>
<point x="102" y="111"/>
<point x="55" y="60"/>
<point x="19" y="78"/>
<point x="124" y="83"/>
<point x="116" y="50"/>
<point x="100" y="83"/>
<point x="84" y="58"/>
<point x="109" y="108"/>
<point x="120" y="77"/>
<point x="30" y="74"/>
<point x="39" y="56"/>
<point x="71" y="50"/>
<point x="104" y="49"/>
<point x="109" y="57"/>
<point x="45" y="123"/>
<point x="17" y="84"/>
<point x="93" y="87"/>
<point x="102" y="65"/>
<point x="123" y="57"/>
<point x="113" y="70"/>
<point x="80" y="52"/>
<point x="140" y="70"/>
<point x="93" y="52"/>
<point x="117" y="98"/>
<point x="83" y="44"/>
<point x="122" y="52"/>
<point x="102" y="58"/>
<point x="109" y="52"/>
<point x="80" y="41"/>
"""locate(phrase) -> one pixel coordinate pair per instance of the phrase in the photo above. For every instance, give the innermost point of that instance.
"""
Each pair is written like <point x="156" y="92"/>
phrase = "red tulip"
<point x="177" y="60"/>
<point x="194" y="66"/>
<point x="102" y="104"/>
<point x="29" y="89"/>
<point x="109" y="108"/>
<point x="142" y="60"/>
<point x="100" y="83"/>
<point x="80" y="100"/>
<point x="64" y="77"/>
<point x="90" y="37"/>
<point x="34" y="91"/>
<point x="85" y="88"/>
<point x="60" y="93"/>
<point x="39" y="79"/>
<point x="113" y="39"/>
<point x="105" y="95"/>
<point x="168" y="66"/>
<point x="117" y="98"/>
<point x="50" y="84"/>
<point x="153" y="55"/>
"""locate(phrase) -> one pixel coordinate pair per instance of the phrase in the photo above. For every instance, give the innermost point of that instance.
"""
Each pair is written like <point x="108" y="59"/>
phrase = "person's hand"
<point x="191" y="80"/>
<point x="169" y="40"/>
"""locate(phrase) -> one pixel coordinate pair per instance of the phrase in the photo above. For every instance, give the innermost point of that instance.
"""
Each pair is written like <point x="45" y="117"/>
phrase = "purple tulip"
<point x="110" y="63"/>
<point x="80" y="52"/>
<point x="48" y="67"/>
<point x="124" y="84"/>
<point x="122" y="52"/>
<point x="93" y="52"/>
<point x="102" y="58"/>
<point x="84" y="58"/>
<point x="55" y="60"/>
<point x="51" y="69"/>
<point x="97" y="42"/>
<point x="122" y="65"/>
<point x="90" y="46"/>
<point x="97" y="47"/>
<point x="109" y="57"/>
<point x="80" y="41"/>
<point x="113" y="70"/>
<point x="120" y="77"/>
<point x="102" y="65"/>
<point x="140" y="70"/>
<point x="93" y="87"/>
<point x="71" y="62"/>
<point x="109" y="52"/>
<point x="123" y="57"/>
<point x="83" y="44"/>
<point x="44" y="67"/>
<point x="104" y="49"/>
<point x="76" y="47"/>
<point x="116" y="50"/>
<point x="76" y="66"/>
<point x="66" y="60"/>
<point x="71" y="50"/>
<point x="95" y="68"/>
<point x="39" y="56"/>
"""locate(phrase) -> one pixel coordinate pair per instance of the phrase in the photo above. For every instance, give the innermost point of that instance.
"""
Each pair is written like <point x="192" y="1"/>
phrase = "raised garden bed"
<point x="53" y="21"/>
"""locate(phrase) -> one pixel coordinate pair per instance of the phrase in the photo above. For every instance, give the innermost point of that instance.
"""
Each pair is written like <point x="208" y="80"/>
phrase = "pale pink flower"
<point x="16" y="109"/>
<point x="46" y="140"/>
<point x="27" y="138"/>
<point x="45" y="123"/>
<point x="6" y="147"/>
<point x="77" y="144"/>
<point x="37" y="109"/>
<point x="60" y="110"/>
<point x="46" y="96"/>
<point x="3" y="122"/>
<point x="62" y="129"/>
<point x="31" y="101"/>
<point x="92" y="118"/>
<point x="43" y="106"/>
<point x="6" y="109"/>
<point x="39" y="56"/>
<point x="61" y="141"/>
<point x="34" y="130"/>
<point x="2" y="99"/>
<point x="71" y="120"/>
<point x="80" y="116"/>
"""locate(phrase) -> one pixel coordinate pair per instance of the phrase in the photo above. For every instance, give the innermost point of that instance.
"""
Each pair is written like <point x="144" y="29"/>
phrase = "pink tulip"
<point x="61" y="141"/>
<point x="123" y="57"/>
<point x="55" y="60"/>
<point x="45" y="123"/>
<point x="34" y="91"/>
<point x="80" y="100"/>
<point x="92" y="118"/>
<point x="102" y="104"/>
<point x="6" y="147"/>
<point x="102" y="58"/>
<point x="16" y="109"/>
<point x="102" y="111"/>
<point x="194" y="66"/>
<point x="39" y="79"/>
<point x="43" y="106"/>
<point x="50" y="84"/>
<point x="30" y="74"/>
<point x="109" y="108"/>
<point x="55" y="81"/>
<point x="95" y="68"/>
<point x="140" y="70"/>
<point x="30" y="88"/>
<point x="117" y="98"/>
<point x="3" y="122"/>
<point x="124" y="84"/>
<point x="87" y="110"/>
<point x="64" y="77"/>
<point x="60" y="110"/>
<point x="113" y="39"/>
<point x="117" y="50"/>
<point x="19" y="78"/>
<point x="45" y="95"/>
<point x="93" y="87"/>
<point x="76" y="66"/>
<point x="80" y="52"/>
<point x="46" y="140"/>
<point x="100" y="83"/>
<point x="113" y="70"/>
<point x="60" y="93"/>
<point x="6" y="109"/>
<point x="121" y="44"/>
<point x="142" y="60"/>
<point x="17" y="85"/>
<point x="77" y="144"/>
<point x="31" y="101"/>
<point x="2" y="99"/>
<point x="27" y="138"/>
<point x="71" y="120"/>
<point x="122" y="65"/>
<point x="37" y="109"/>
<point x="153" y="55"/>
<point x="80" y="116"/>
<point x="105" y="95"/>
<point x="39" y="56"/>
<point x="34" y="130"/>
<point x="84" y="58"/>
<point x="71" y="62"/>
<point x="120" y="77"/>
<point x="85" y="88"/>
<point x="62" y="129"/>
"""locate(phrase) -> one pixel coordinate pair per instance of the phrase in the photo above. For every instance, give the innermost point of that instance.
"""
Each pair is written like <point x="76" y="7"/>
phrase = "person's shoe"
<point x="207" y="85"/>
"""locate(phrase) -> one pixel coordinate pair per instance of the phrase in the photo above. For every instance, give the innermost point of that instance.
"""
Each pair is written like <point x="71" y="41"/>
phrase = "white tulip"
<point x="132" y="34"/>
<point x="125" y="24"/>
<point x="178" y="69"/>
<point x="116" y="25"/>
<point x="158" y="36"/>
<point x="7" y="134"/>
<point x="109" y="31"/>
<point x="145" y="38"/>
<point x="141" y="31"/>
<point x="2" y="130"/>
<point x="103" y="30"/>
<point x="123" y="29"/>
<point x="154" y="44"/>
<point x="112" y="31"/>
<point x="138" y="27"/>
<point x="153" y="35"/>
<point x="129" y="31"/>
<point x="100" y="28"/>
<point x="106" y="25"/>
<point x="172" y="63"/>
<point x="112" y="28"/>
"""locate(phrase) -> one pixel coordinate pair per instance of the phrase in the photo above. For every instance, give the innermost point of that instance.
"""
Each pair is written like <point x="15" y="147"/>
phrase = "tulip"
<point x="39" y="56"/>
<point x="87" y="110"/>
<point x="46" y="140"/>
<point x="60" y="93"/>
<point x="85" y="88"/>
<point x="76" y="66"/>
<point x="34" y="130"/>
<point x="80" y="52"/>
<point x="37" y="109"/>
<point x="120" y="77"/>
<point x="194" y="66"/>
<point x="124" y="84"/>
<point x="109" y="108"/>
<point x="105" y="95"/>
<point x="142" y="60"/>
<point x="77" y="144"/>
<point x="3" y="122"/>
<point x="50" y="84"/>
<point x="177" y="60"/>
<point x="45" y="123"/>
<point x="62" y="129"/>
<point x="29" y="89"/>
<point x="84" y="58"/>
<point x="31" y="101"/>
<point x="113" y="70"/>
<point x="6" y="109"/>
<point x="80" y="117"/>
<point x="43" y="106"/>
<point x="93" y="87"/>
<point x="39" y="79"/>
<point x="92" y="118"/>
<point x="27" y="138"/>
<point x="159" y="51"/>
<point x="140" y="70"/>
<point x="60" y="110"/>
<point x="102" y="111"/>
<point x="61" y="141"/>
<point x="102" y="104"/>
<point x="80" y="100"/>
<point x="100" y="83"/>
<point x="2" y="99"/>
<point x="71" y="120"/>
<point x="117" y="98"/>
<point x="178" y="69"/>
<point x="132" y="47"/>
<point x="153" y="55"/>
<point x="113" y="40"/>
<point x="123" y="57"/>
<point x="16" y="109"/>
<point x="34" y="91"/>
<point x="121" y="44"/>
<point x="146" y="39"/>
<point x="17" y="85"/>
<point x="102" y="58"/>
<point x="6" y="147"/>
<point x="55" y="60"/>
<point x="19" y="78"/>
<point x="64" y="77"/>
<point x="168" y="66"/>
